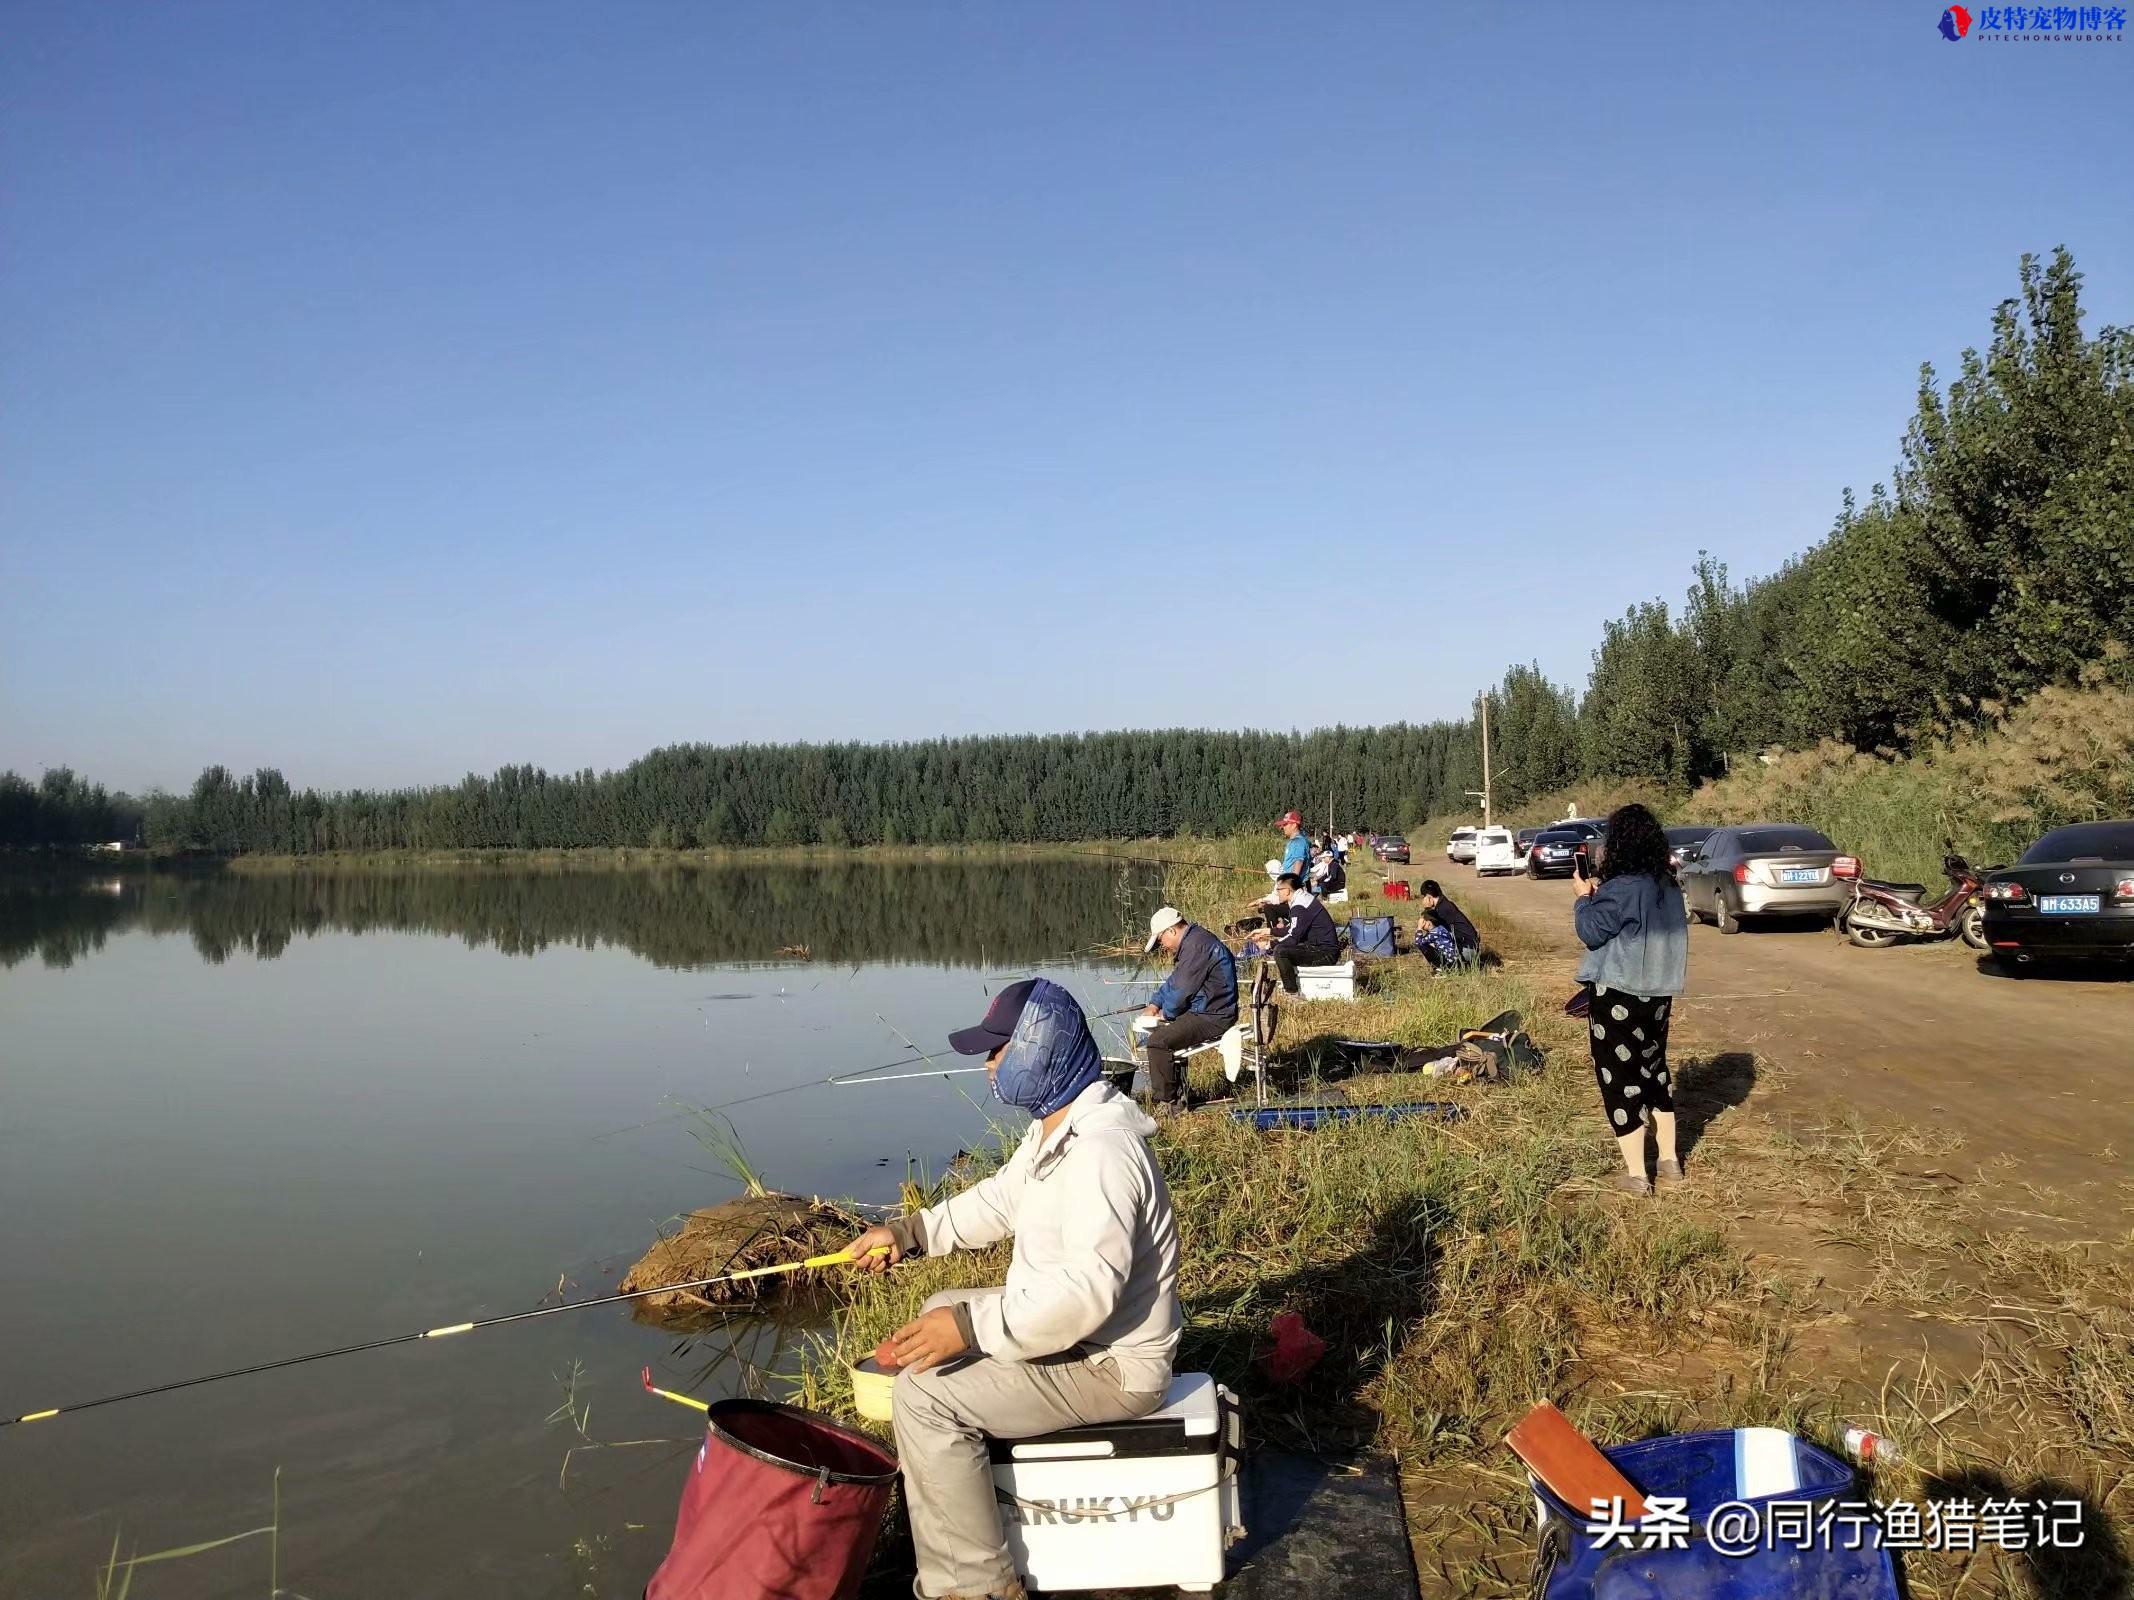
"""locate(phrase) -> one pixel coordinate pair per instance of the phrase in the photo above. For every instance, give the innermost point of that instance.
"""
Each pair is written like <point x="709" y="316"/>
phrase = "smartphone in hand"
<point x="1580" y="864"/>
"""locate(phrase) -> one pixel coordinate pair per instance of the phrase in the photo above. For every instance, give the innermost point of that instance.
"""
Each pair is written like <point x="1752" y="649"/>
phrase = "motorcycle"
<point x="1880" y="913"/>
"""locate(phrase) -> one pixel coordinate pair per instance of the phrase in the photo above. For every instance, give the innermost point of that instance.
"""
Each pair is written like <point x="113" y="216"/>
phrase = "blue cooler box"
<point x="1754" y="1466"/>
<point x="1371" y="936"/>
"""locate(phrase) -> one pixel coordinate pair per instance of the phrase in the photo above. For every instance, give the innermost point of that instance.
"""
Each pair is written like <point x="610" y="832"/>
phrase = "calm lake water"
<point x="248" y="1116"/>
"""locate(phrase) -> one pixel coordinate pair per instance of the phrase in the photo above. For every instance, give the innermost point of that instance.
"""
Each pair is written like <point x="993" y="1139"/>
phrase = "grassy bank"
<point x="1462" y="1271"/>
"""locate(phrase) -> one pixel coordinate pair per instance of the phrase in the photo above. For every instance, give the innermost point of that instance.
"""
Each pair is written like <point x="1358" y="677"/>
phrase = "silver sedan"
<point x="1765" y="869"/>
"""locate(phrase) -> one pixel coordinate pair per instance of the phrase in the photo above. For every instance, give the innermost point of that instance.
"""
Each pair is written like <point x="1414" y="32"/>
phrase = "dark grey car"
<point x="2072" y="894"/>
<point x="1690" y="838"/>
<point x="1765" y="869"/>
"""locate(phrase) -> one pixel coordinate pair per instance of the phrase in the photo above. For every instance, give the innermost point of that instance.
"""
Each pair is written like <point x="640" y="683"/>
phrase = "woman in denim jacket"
<point x="1636" y="933"/>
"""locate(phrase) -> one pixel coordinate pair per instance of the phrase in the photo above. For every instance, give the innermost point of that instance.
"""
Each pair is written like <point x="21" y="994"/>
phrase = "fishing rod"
<point x="835" y="1079"/>
<point x="834" y="1258"/>
<point x="767" y="1094"/>
<point x="1166" y="861"/>
<point x="904" y="1077"/>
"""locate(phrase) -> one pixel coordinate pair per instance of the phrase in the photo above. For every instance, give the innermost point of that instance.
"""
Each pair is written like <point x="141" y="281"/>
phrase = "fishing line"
<point x="832" y="1079"/>
<point x="1165" y="861"/>
<point x="835" y="1258"/>
<point x="767" y="1094"/>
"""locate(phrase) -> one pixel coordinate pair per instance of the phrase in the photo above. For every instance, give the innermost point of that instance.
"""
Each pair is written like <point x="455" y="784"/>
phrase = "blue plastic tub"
<point x="1752" y="1466"/>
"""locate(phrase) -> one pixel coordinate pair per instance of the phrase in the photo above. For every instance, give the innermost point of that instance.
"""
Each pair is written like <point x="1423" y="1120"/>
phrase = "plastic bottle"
<point x="1869" y="1448"/>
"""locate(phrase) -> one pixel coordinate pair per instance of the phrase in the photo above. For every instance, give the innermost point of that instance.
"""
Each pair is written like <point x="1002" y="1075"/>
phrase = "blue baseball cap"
<point x="983" y="1038"/>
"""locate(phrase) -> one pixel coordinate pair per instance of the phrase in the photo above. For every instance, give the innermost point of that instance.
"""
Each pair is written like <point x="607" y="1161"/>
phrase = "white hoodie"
<point x="1096" y="1246"/>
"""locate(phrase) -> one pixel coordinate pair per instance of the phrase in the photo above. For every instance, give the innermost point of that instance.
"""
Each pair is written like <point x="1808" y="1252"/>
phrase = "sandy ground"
<point x="2037" y="1069"/>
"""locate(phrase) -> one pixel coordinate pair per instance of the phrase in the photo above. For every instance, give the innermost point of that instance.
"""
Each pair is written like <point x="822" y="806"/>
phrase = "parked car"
<point x="1391" y="847"/>
<point x="1523" y="841"/>
<point x="2071" y="896"/>
<point x="1556" y="848"/>
<point x="1680" y="839"/>
<point x="1495" y="851"/>
<point x="1765" y="869"/>
<point x="1461" y="847"/>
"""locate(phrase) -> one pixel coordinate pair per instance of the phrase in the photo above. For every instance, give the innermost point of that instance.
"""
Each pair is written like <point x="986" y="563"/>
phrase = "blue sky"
<point x="393" y="391"/>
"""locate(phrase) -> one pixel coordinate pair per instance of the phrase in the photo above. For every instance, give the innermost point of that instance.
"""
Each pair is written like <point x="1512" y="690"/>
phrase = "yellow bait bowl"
<point x="871" y="1388"/>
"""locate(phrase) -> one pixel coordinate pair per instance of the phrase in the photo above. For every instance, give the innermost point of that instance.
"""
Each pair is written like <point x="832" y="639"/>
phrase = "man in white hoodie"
<point x="1086" y="1326"/>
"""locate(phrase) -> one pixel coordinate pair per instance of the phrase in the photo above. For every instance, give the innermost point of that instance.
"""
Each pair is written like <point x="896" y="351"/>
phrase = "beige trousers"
<point x="944" y="1416"/>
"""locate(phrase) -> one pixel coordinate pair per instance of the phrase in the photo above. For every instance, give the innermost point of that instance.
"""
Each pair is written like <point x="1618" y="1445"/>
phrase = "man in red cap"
<point x="1297" y="851"/>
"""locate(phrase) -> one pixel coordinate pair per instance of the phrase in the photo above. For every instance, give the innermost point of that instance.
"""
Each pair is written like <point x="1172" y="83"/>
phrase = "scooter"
<point x="1880" y="913"/>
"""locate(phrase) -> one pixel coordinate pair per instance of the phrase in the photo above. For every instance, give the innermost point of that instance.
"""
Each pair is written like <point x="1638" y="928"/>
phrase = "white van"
<point x="1496" y="850"/>
<point x="1461" y="846"/>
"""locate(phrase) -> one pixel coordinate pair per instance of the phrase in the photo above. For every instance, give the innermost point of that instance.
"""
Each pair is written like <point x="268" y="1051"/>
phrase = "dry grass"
<point x="2064" y="755"/>
<point x="1809" y="1278"/>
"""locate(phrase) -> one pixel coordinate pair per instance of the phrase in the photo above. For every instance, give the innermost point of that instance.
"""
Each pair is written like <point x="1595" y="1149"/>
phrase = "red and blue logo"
<point x="2039" y="24"/>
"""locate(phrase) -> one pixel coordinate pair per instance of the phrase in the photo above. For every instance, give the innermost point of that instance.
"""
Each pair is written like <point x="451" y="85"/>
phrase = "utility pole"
<point x="1484" y="795"/>
<point x="1486" y="818"/>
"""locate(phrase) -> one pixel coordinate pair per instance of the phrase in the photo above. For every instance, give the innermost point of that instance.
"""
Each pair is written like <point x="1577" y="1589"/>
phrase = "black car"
<point x="1523" y="840"/>
<point x="1681" y="839"/>
<point x="1554" y="849"/>
<point x="2070" y="897"/>
<point x="1393" y="848"/>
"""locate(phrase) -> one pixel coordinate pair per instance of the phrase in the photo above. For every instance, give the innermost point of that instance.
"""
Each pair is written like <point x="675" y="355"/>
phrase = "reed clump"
<point x="753" y="1230"/>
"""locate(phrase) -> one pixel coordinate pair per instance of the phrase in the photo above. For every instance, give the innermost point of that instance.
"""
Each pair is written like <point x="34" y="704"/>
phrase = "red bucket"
<point x="782" y="1505"/>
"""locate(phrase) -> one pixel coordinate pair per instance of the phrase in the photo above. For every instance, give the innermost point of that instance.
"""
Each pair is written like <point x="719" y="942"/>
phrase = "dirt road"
<point x="2040" y="1069"/>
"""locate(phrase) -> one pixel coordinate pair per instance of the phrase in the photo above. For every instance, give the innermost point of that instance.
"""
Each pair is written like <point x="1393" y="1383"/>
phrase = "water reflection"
<point x="957" y="913"/>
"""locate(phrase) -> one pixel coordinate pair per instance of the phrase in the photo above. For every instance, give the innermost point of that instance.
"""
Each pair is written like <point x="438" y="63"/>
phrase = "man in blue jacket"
<point x="1196" y="1005"/>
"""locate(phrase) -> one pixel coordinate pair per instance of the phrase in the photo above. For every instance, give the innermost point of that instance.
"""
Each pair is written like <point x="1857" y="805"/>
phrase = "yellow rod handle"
<point x="838" y="1258"/>
<point x="835" y="1258"/>
<point x="682" y="1399"/>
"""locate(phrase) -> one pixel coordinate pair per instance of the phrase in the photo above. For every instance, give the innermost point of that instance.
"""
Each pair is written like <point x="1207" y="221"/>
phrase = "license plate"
<point x="1800" y="874"/>
<point x="2069" y="905"/>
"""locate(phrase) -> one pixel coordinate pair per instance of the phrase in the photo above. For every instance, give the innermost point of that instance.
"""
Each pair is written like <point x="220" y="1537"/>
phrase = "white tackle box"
<point x="1327" y="983"/>
<point x="1151" y="1503"/>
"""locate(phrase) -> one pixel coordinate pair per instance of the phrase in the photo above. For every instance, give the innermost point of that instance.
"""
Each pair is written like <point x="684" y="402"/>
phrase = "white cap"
<point x="1162" y="923"/>
<point x="1274" y="869"/>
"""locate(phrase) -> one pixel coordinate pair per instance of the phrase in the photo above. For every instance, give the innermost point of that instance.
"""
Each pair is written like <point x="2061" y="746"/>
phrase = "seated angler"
<point x="1085" y="1328"/>
<point x="1197" y="1003"/>
<point x="1309" y="940"/>
<point x="1329" y="876"/>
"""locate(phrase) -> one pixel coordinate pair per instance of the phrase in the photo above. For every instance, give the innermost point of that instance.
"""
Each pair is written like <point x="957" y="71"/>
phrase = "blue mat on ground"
<point x="1306" y="1118"/>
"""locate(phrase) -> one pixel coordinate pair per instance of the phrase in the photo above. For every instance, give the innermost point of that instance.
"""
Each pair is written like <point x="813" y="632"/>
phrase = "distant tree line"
<point x="64" y="809"/>
<point x="956" y="913"/>
<point x="2001" y="559"/>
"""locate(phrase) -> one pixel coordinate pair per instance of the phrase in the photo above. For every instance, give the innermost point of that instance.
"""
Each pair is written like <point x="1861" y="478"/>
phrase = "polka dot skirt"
<point x="1629" y="1037"/>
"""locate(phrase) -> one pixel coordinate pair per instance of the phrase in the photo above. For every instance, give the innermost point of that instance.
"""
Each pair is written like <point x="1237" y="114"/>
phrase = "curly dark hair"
<point x="1636" y="844"/>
